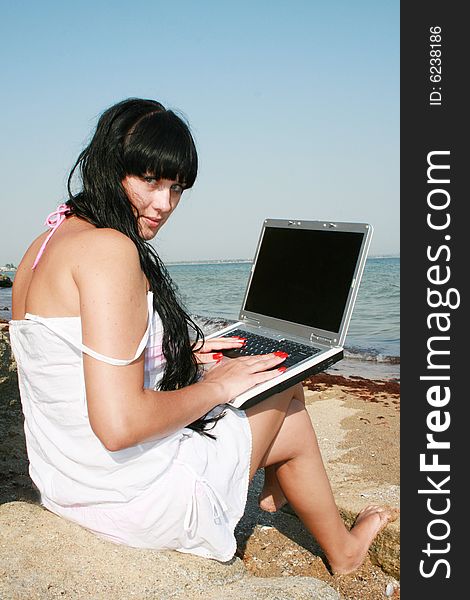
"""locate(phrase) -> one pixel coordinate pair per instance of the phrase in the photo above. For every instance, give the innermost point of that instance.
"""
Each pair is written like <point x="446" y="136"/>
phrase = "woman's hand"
<point x="211" y="350"/>
<point x="237" y="375"/>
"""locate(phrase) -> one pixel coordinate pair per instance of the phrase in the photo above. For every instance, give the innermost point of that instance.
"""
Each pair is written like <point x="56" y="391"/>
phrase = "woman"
<point x="124" y="434"/>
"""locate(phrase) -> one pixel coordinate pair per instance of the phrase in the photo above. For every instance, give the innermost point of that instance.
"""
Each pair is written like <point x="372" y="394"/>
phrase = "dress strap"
<point x="53" y="221"/>
<point x="52" y="325"/>
<point x="219" y="508"/>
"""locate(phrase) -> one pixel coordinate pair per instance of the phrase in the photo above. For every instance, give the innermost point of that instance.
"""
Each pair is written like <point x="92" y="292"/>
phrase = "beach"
<point x="354" y="407"/>
<point x="357" y="424"/>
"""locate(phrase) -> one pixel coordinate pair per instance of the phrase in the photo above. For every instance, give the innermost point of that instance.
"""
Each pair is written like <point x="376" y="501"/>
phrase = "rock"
<point x="44" y="556"/>
<point x="7" y="361"/>
<point x="5" y="281"/>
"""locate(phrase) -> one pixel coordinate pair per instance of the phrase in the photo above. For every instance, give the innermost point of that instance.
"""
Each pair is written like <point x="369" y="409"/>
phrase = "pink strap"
<point x="53" y="221"/>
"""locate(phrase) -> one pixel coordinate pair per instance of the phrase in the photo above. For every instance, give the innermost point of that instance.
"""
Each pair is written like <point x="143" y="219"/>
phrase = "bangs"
<point x="160" y="144"/>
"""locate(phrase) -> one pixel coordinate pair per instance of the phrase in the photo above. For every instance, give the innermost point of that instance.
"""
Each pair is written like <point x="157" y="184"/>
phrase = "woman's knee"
<point x="298" y="393"/>
<point x="266" y="420"/>
<point x="295" y="437"/>
<point x="296" y="405"/>
<point x="279" y="402"/>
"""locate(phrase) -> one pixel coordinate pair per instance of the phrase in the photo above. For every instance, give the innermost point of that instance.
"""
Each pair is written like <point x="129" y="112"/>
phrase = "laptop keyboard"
<point x="258" y="344"/>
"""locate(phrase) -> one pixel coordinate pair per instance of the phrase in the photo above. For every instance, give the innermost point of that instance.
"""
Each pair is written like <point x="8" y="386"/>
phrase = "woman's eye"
<point x="150" y="179"/>
<point x="177" y="188"/>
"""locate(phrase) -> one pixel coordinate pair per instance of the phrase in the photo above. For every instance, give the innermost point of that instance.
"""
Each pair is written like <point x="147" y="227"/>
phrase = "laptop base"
<point x="284" y="385"/>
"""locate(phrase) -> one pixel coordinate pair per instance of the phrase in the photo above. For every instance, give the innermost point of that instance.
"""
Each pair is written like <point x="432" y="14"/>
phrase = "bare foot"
<point x="272" y="497"/>
<point x="368" y="524"/>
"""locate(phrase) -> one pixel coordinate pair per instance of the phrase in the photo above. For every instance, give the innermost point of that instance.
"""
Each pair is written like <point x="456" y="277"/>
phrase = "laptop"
<point x="299" y="298"/>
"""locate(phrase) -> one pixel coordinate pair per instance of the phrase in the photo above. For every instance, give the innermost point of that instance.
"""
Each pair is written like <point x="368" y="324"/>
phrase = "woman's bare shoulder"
<point x="83" y="243"/>
<point x="104" y="255"/>
<point x="105" y="237"/>
<point x="104" y="244"/>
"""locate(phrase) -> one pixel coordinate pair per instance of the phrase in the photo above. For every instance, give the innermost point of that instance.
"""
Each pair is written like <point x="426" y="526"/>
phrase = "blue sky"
<point x="294" y="107"/>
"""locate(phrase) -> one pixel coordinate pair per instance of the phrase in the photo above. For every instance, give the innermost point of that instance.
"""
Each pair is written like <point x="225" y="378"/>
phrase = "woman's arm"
<point x="113" y="308"/>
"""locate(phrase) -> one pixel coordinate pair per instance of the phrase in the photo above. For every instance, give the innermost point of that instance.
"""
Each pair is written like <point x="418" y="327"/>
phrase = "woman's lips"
<point x="153" y="222"/>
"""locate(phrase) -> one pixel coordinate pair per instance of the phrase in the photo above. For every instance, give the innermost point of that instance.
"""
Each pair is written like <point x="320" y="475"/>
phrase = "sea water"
<point x="214" y="292"/>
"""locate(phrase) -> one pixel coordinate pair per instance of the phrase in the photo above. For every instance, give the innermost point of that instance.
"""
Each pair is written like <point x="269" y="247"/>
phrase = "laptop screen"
<point x="304" y="275"/>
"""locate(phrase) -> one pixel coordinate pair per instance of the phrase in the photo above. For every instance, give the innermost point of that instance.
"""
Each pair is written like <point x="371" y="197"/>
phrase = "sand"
<point x="357" y="423"/>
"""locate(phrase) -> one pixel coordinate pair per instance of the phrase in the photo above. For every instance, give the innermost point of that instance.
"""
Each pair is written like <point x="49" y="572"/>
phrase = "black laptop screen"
<point x="304" y="276"/>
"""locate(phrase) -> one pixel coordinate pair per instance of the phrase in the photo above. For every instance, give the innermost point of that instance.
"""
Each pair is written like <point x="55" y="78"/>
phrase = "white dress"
<point x="185" y="492"/>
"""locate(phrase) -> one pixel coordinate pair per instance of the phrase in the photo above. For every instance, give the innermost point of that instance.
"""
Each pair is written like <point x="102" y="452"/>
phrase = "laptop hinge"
<point x="319" y="338"/>
<point x="251" y="321"/>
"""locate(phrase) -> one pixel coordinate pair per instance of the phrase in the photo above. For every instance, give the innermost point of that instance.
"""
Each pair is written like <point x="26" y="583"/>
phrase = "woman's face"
<point x="153" y="200"/>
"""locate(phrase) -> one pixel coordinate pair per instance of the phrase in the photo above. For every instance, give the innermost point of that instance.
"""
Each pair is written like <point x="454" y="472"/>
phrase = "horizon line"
<point x="248" y="260"/>
<point x="223" y="260"/>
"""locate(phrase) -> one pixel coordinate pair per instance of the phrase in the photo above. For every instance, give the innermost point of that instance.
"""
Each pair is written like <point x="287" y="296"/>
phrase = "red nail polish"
<point x="281" y="354"/>
<point x="218" y="356"/>
<point x="282" y="369"/>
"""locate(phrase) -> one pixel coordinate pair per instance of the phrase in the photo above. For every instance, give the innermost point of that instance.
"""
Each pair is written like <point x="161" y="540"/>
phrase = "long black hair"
<point x="141" y="137"/>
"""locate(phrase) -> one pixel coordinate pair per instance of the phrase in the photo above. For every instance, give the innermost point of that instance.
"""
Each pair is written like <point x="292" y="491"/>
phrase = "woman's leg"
<point x="283" y="437"/>
<point x="272" y="497"/>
